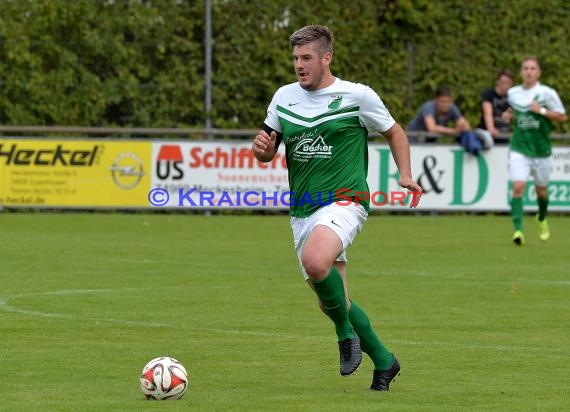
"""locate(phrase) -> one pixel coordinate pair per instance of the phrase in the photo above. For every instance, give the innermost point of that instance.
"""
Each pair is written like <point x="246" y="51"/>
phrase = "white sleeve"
<point x="272" y="120"/>
<point x="373" y="113"/>
<point x="553" y="102"/>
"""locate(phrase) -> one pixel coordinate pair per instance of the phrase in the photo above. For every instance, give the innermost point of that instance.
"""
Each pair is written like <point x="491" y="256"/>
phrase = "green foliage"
<point x="101" y="63"/>
<point x="141" y="62"/>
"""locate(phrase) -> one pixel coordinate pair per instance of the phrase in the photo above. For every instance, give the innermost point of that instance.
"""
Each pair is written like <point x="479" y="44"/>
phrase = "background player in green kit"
<point x="324" y="123"/>
<point x="534" y="106"/>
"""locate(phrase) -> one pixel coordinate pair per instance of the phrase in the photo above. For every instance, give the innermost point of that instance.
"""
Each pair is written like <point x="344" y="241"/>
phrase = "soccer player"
<point x="535" y="106"/>
<point x="324" y="122"/>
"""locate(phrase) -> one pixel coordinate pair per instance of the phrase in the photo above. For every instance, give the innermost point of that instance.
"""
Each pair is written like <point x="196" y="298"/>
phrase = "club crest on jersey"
<point x="335" y="102"/>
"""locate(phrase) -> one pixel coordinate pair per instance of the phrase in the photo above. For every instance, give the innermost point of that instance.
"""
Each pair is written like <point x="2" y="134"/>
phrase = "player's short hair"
<point x="530" y="57"/>
<point x="313" y="33"/>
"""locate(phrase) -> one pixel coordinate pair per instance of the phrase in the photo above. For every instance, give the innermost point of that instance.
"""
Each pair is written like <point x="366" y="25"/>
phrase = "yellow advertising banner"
<point x="74" y="173"/>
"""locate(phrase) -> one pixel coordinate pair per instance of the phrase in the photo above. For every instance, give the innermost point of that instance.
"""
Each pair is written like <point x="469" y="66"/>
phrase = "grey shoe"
<point x="350" y="355"/>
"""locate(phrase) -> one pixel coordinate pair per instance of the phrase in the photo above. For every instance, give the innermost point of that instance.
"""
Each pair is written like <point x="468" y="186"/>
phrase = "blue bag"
<point x="470" y="142"/>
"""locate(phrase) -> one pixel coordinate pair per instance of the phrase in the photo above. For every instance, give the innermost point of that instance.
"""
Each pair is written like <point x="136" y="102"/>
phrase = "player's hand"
<point x="414" y="189"/>
<point x="535" y="107"/>
<point x="264" y="145"/>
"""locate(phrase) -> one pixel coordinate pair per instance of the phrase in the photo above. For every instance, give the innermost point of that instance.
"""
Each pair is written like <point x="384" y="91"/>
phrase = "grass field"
<point x="87" y="299"/>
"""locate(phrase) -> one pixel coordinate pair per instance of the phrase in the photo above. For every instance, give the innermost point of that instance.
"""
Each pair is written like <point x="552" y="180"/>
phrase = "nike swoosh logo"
<point x="333" y="222"/>
<point x="293" y="104"/>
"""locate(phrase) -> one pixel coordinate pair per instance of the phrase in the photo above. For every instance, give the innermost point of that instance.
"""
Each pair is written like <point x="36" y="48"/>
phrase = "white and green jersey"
<point x="531" y="131"/>
<point x="325" y="133"/>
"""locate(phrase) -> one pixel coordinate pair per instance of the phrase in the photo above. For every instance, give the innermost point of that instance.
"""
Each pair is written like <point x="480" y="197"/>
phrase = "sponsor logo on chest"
<point x="310" y="145"/>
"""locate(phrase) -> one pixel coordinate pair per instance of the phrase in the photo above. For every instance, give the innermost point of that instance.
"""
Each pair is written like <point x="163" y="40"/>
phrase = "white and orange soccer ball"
<point x="164" y="378"/>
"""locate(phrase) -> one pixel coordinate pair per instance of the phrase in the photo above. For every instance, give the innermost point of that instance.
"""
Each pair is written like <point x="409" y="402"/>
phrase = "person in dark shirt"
<point x="495" y="111"/>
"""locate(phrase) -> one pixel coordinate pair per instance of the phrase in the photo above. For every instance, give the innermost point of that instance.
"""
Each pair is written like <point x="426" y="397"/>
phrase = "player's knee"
<point x="541" y="192"/>
<point x="518" y="189"/>
<point x="315" y="267"/>
<point x="518" y="193"/>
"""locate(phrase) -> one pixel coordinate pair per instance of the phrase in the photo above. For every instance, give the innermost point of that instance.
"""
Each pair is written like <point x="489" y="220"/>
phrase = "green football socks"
<point x="517" y="212"/>
<point x="369" y="341"/>
<point x="542" y="207"/>
<point x="331" y="293"/>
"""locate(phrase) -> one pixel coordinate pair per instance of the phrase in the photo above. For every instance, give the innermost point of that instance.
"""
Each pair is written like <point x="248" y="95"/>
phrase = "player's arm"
<point x="555" y="116"/>
<point x="400" y="148"/>
<point x="552" y="109"/>
<point x="375" y="116"/>
<point x="549" y="114"/>
<point x="266" y="143"/>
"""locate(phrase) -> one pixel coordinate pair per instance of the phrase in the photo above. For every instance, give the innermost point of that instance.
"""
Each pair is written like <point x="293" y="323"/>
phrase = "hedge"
<point x="141" y="63"/>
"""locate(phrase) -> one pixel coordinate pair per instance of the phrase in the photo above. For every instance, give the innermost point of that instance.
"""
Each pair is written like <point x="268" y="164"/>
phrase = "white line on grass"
<point x="129" y="260"/>
<point x="7" y="307"/>
<point x="470" y="277"/>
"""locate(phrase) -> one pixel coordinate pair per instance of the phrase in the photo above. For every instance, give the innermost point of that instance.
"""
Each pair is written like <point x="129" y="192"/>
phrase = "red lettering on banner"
<point x="234" y="158"/>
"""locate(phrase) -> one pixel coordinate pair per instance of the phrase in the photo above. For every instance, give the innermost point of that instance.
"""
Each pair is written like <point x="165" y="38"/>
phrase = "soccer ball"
<point x="164" y="378"/>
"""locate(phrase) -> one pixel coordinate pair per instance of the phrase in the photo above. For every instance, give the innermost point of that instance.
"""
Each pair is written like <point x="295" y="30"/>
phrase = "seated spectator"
<point x="442" y="116"/>
<point x="495" y="111"/>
